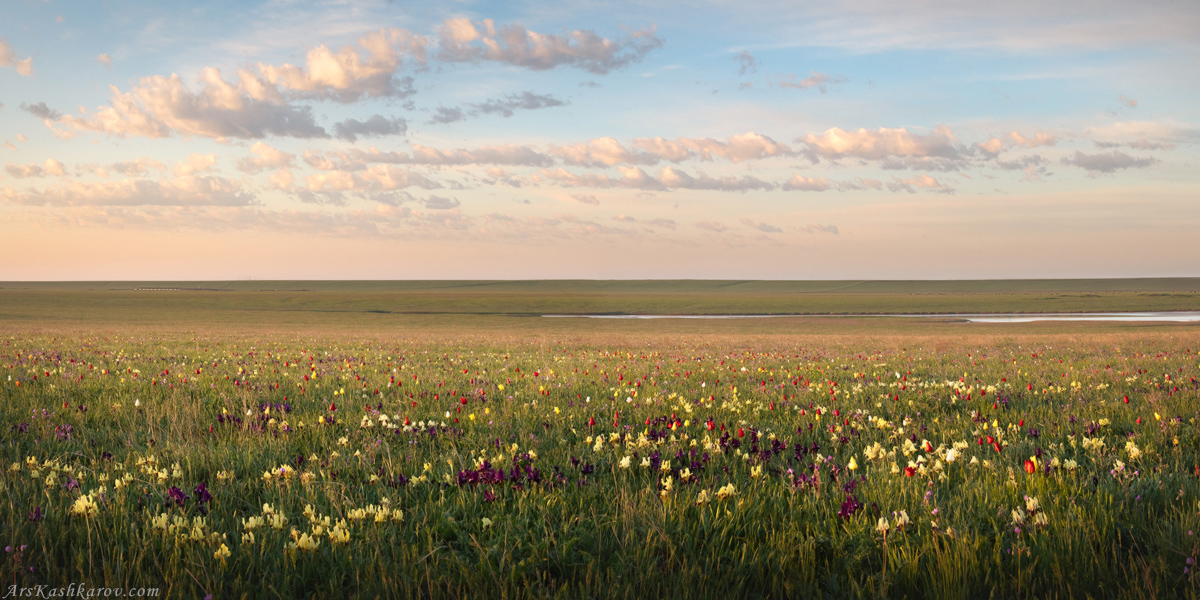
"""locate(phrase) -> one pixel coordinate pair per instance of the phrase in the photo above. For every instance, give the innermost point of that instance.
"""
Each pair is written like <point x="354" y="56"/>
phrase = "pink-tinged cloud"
<point x="821" y="81"/>
<point x="48" y="168"/>
<point x="8" y="58"/>
<point x="738" y="148"/>
<point x="264" y="156"/>
<point x="881" y="144"/>
<point x="715" y="226"/>
<point x="799" y="183"/>
<point x="996" y="145"/>
<point x="374" y="178"/>
<point x="920" y="183"/>
<point x="159" y="106"/>
<point x="1110" y="162"/>
<point x="635" y="178"/>
<point x="760" y="226"/>
<point x="461" y="40"/>
<point x="178" y="191"/>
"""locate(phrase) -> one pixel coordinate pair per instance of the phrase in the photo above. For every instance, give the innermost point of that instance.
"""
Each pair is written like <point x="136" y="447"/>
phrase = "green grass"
<point x="387" y="303"/>
<point x="612" y="532"/>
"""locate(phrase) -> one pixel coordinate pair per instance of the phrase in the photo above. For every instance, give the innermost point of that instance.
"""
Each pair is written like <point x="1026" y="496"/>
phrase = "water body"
<point x="1167" y="316"/>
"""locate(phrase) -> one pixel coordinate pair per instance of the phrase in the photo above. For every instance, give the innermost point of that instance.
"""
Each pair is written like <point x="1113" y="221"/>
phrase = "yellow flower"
<point x="853" y="464"/>
<point x="726" y="491"/>
<point x="222" y="553"/>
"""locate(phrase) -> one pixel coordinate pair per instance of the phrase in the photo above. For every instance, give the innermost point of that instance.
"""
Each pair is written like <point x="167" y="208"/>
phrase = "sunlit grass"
<point x="682" y="467"/>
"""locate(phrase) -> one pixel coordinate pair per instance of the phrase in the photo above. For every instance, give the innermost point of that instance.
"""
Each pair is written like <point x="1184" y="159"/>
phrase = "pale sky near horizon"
<point x="933" y="139"/>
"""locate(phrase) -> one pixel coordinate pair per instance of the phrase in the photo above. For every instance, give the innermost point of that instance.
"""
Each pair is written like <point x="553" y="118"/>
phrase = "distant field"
<point x="392" y="303"/>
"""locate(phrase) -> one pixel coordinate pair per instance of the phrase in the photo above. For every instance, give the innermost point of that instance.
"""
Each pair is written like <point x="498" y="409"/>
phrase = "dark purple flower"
<point x="177" y="495"/>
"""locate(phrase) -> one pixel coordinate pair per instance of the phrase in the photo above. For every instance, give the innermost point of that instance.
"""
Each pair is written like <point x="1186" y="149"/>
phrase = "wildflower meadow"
<point x="275" y="465"/>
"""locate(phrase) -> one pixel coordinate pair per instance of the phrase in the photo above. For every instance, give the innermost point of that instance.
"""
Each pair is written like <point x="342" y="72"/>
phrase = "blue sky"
<point x="783" y="140"/>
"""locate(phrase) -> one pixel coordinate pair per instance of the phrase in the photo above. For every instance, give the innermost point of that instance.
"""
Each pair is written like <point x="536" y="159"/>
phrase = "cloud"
<point x="996" y="145"/>
<point x="674" y="178"/>
<point x="441" y="203"/>
<point x="265" y="157"/>
<point x="179" y="191"/>
<point x="738" y="148"/>
<point x="159" y="106"/>
<point x="461" y="40"/>
<point x="601" y="152"/>
<point x="504" y="107"/>
<point x="523" y="101"/>
<point x="816" y="228"/>
<point x="763" y="227"/>
<point x="448" y="115"/>
<point x="1127" y="101"/>
<point x="881" y="144"/>
<point x="507" y="154"/>
<point x="860" y="184"/>
<point x="139" y="167"/>
<point x="636" y="178"/>
<point x="821" y="81"/>
<point x="1108" y="162"/>
<point x="372" y="179"/>
<point x="105" y="60"/>
<point x="376" y="126"/>
<point x="806" y="184"/>
<point x="41" y="111"/>
<point x="196" y="163"/>
<point x="747" y="64"/>
<point x="919" y="183"/>
<point x="625" y="219"/>
<point x="711" y="226"/>
<point x="664" y="223"/>
<point x="8" y="58"/>
<point x="347" y="75"/>
<point x="49" y="168"/>
<point x="585" y="199"/>
<point x="1142" y="135"/>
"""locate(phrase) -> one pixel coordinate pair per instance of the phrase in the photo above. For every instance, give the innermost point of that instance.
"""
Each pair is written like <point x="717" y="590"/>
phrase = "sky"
<point x="870" y="139"/>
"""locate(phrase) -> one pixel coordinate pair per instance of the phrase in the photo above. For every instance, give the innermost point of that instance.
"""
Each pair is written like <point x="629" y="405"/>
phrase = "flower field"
<point x="275" y="466"/>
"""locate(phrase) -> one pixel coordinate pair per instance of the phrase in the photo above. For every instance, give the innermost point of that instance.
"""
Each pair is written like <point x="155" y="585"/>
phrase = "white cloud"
<point x="105" y="60"/>
<point x="8" y="58"/>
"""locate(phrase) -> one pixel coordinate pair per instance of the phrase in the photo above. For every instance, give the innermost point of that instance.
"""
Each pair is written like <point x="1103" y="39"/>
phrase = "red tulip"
<point x="997" y="446"/>
<point x="1030" y="467"/>
<point x="1139" y="420"/>
<point x="1126" y="399"/>
<point x="740" y="432"/>
<point x="1022" y="423"/>
<point x="332" y="407"/>
<point x="910" y="471"/>
<point x="928" y="446"/>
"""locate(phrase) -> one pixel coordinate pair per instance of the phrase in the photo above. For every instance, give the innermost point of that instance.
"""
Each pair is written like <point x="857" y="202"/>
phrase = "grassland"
<point x="243" y="451"/>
